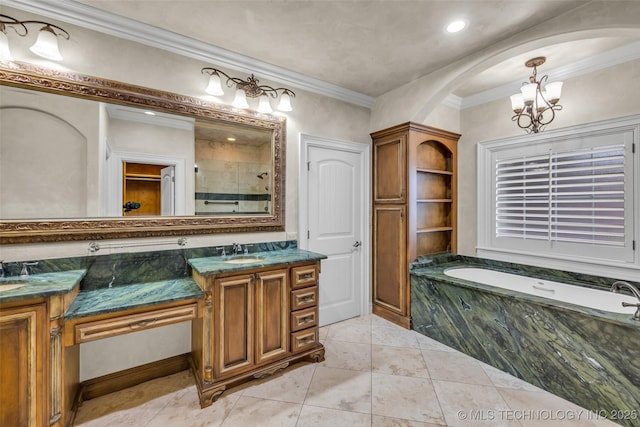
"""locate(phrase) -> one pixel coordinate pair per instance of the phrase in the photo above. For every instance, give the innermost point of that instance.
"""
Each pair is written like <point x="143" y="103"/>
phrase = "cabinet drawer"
<point x="304" y="276"/>
<point x="304" y="298"/>
<point x="136" y="322"/>
<point x="302" y="319"/>
<point x="304" y="339"/>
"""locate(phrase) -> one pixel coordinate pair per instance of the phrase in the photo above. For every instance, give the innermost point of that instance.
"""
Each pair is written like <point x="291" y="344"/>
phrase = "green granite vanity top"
<point x="121" y="298"/>
<point x="232" y="263"/>
<point x="17" y="288"/>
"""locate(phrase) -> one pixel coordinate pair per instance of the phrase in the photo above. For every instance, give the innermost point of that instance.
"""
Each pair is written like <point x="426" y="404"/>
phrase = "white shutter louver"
<point x="569" y="196"/>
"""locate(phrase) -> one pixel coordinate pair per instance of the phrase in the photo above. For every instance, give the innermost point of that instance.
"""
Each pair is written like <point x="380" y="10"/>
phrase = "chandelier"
<point x="250" y="88"/>
<point x="46" y="44"/>
<point x="536" y="104"/>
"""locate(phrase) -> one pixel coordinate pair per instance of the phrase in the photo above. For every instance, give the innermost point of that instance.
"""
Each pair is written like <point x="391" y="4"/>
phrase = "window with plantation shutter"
<point x="568" y="196"/>
<point x="564" y="197"/>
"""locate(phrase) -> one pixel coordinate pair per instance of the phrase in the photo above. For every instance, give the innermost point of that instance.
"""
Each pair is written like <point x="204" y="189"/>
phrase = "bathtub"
<point x="572" y="294"/>
<point x="577" y="342"/>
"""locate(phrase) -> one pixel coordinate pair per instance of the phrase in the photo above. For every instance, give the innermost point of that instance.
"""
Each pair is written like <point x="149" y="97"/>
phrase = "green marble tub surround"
<point x="228" y="264"/>
<point x="121" y="298"/>
<point x="585" y="355"/>
<point x="568" y="277"/>
<point x="16" y="288"/>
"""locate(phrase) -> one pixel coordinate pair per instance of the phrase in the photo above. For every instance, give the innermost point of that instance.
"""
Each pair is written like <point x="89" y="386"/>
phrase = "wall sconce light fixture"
<point x="250" y="88"/>
<point x="46" y="44"/>
<point x="536" y="104"/>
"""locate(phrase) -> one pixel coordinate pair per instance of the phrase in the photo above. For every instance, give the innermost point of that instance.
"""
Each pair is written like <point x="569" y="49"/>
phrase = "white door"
<point x="167" y="191"/>
<point x="335" y="209"/>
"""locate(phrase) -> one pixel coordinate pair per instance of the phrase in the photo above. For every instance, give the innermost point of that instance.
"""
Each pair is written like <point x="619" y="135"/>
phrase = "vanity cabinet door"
<point x="22" y="353"/>
<point x="233" y="327"/>
<point x="272" y="316"/>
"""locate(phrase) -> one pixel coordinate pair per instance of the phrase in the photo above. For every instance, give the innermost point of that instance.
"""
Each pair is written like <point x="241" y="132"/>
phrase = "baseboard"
<point x="391" y="316"/>
<point x="117" y="381"/>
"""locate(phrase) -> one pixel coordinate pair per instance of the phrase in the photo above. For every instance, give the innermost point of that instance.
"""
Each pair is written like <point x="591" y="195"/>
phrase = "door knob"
<point x="357" y="244"/>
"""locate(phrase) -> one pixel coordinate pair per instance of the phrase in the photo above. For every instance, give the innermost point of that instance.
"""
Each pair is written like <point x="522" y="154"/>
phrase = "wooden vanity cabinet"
<point x="414" y="209"/>
<point x="23" y="344"/>
<point x="250" y="321"/>
<point x="255" y="323"/>
<point x="33" y="384"/>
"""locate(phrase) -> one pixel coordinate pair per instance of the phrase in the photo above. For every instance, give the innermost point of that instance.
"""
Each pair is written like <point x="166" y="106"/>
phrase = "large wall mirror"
<point x="83" y="158"/>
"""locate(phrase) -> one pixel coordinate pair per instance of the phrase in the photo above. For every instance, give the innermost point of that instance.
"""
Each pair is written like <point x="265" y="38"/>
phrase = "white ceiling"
<point x="366" y="46"/>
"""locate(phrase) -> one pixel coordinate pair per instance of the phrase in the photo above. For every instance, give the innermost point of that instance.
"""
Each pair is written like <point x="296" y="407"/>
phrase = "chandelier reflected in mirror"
<point x="536" y="104"/>
<point x="248" y="88"/>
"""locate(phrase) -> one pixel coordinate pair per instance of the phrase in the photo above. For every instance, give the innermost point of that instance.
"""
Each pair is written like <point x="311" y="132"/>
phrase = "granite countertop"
<point x="17" y="288"/>
<point x="226" y="264"/>
<point x="128" y="297"/>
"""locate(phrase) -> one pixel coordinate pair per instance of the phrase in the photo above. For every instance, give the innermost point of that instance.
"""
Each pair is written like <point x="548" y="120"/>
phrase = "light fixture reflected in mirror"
<point x="536" y="104"/>
<point x="248" y="88"/>
<point x="46" y="44"/>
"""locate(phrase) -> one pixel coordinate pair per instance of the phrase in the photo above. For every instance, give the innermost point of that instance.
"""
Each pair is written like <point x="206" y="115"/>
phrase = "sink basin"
<point x="11" y="284"/>
<point x="243" y="259"/>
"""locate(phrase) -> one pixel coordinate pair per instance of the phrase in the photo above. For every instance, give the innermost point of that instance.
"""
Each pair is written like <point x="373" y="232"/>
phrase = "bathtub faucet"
<point x="619" y="285"/>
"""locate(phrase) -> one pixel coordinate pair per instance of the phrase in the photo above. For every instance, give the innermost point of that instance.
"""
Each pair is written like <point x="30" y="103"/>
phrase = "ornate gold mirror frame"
<point x="88" y="87"/>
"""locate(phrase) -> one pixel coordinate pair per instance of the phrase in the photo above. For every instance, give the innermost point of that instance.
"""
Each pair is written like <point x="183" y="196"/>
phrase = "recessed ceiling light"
<point x="456" y="26"/>
<point x="150" y="113"/>
<point x="231" y="139"/>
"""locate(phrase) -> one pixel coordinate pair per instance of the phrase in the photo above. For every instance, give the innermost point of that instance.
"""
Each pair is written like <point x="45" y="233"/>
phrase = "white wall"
<point x="49" y="170"/>
<point x="101" y="55"/>
<point x="612" y="92"/>
<point x="108" y="57"/>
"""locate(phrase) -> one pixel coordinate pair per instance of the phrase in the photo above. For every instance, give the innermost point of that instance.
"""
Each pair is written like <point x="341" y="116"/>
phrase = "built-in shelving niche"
<point x="434" y="198"/>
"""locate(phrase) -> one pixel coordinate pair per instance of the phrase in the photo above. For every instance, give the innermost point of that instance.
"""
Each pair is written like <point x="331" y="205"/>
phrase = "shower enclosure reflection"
<point x="231" y="177"/>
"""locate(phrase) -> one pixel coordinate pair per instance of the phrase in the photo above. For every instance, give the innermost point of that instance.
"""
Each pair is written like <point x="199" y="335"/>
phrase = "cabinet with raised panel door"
<point x="23" y="344"/>
<point x="255" y="323"/>
<point x="414" y="209"/>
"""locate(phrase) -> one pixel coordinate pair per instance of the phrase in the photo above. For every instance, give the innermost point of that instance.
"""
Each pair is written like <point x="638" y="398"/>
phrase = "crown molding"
<point x="118" y="26"/>
<point x="601" y="61"/>
<point x="453" y="101"/>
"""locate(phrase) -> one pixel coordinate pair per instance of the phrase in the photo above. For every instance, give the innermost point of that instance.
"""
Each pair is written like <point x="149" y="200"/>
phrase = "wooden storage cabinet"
<point x="389" y="157"/>
<point x="254" y="323"/>
<point x="251" y="321"/>
<point x="389" y="242"/>
<point x="414" y="209"/>
<point x="23" y="344"/>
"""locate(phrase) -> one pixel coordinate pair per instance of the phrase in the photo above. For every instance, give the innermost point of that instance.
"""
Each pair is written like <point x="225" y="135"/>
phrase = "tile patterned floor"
<point x="375" y="374"/>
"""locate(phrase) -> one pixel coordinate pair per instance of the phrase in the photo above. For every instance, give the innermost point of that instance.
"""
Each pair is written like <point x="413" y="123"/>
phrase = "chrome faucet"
<point x="237" y="248"/>
<point x="25" y="268"/>
<point x="619" y="285"/>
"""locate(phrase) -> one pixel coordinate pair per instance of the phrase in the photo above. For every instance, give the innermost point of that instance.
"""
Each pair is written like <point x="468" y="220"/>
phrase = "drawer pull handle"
<point x="306" y="298"/>
<point x="307" y="319"/>
<point x="307" y="339"/>
<point x="306" y="276"/>
<point x="142" y="323"/>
